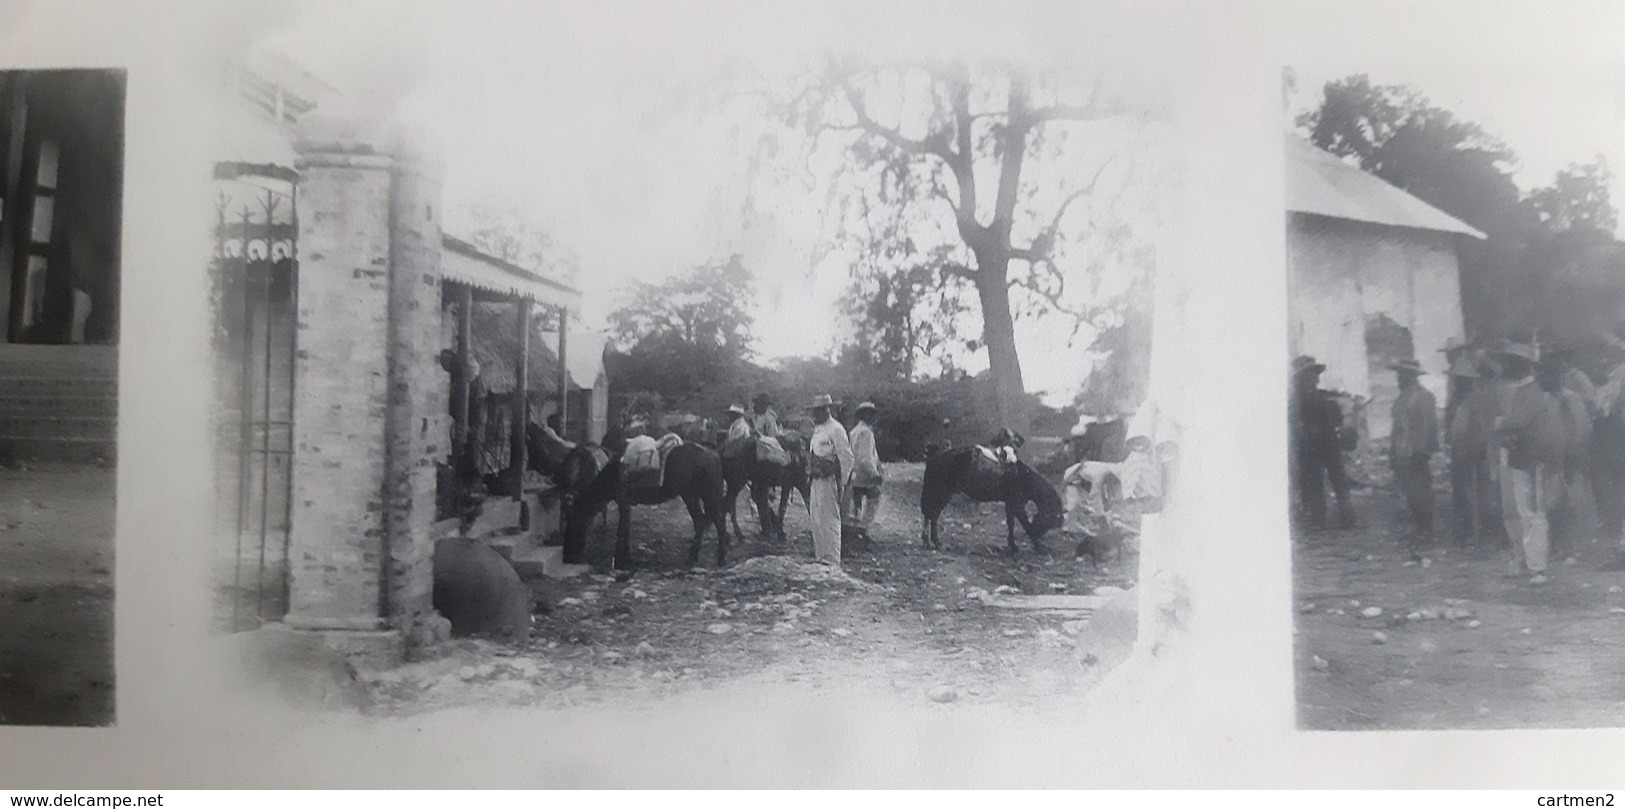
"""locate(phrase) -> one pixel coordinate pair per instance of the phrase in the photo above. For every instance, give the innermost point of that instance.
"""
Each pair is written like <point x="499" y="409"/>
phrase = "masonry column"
<point x="369" y="404"/>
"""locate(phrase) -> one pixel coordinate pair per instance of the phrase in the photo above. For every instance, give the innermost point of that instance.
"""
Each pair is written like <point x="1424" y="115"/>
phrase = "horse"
<point x="954" y="472"/>
<point x="575" y="475"/>
<point x="749" y="469"/>
<point x="692" y="472"/>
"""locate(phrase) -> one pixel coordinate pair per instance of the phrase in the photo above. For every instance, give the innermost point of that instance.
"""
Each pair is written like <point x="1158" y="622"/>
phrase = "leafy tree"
<point x="1118" y="382"/>
<point x="1395" y="133"/>
<point x="1578" y="199"/>
<point x="970" y="162"/>
<point x="902" y="322"/>
<point x="685" y="335"/>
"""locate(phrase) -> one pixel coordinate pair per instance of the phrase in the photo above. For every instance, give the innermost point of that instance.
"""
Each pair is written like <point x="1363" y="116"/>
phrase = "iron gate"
<point x="256" y="274"/>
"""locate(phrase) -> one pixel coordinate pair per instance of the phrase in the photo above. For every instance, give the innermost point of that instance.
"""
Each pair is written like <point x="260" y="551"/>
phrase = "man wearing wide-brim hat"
<point x="1528" y="443"/>
<point x="1414" y="439"/>
<point x="738" y="431"/>
<point x="1316" y="455"/>
<point x="863" y="490"/>
<point x="829" y="463"/>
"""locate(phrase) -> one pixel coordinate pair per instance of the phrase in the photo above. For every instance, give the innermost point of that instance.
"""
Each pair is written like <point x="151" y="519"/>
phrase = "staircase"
<point x="58" y="403"/>
<point x="497" y="527"/>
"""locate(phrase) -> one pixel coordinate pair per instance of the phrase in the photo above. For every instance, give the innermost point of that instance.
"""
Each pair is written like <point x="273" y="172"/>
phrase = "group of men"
<point x="843" y="467"/>
<point x="1517" y="430"/>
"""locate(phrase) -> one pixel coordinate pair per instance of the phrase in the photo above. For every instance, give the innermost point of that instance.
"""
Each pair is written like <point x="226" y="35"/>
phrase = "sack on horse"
<point x="642" y="461"/>
<point x="770" y="451"/>
<point x="647" y="469"/>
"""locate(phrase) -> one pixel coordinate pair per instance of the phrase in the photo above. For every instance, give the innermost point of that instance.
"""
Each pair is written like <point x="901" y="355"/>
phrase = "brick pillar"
<point x="369" y="404"/>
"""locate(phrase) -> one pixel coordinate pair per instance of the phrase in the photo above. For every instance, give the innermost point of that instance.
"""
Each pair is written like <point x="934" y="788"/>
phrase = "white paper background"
<point x="1230" y="720"/>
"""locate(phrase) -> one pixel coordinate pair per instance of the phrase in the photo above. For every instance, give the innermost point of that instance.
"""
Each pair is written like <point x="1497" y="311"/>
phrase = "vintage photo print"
<point x="61" y="199"/>
<point x="1456" y="321"/>
<point x="554" y="370"/>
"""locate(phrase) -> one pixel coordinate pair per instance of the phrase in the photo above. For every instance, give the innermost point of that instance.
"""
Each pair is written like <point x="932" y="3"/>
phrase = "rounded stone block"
<point x="478" y="591"/>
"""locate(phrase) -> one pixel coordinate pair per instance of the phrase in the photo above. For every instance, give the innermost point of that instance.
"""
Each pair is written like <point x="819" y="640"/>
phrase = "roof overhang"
<point x="462" y="263"/>
<point x="1318" y="183"/>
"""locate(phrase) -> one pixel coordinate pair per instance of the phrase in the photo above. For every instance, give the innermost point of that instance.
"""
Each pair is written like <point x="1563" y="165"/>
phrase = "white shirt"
<point x="829" y="441"/>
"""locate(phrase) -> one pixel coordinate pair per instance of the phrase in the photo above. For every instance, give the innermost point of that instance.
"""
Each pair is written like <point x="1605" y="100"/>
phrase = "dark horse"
<point x="954" y="472"/>
<point x="575" y="475"/>
<point x="749" y="468"/>
<point x="693" y="473"/>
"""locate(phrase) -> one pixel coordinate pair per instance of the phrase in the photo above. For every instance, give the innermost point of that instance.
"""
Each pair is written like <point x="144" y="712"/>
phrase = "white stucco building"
<point x="1372" y="278"/>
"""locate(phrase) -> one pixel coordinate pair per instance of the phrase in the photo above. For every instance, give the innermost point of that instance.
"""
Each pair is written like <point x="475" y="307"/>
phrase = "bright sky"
<point x="590" y="117"/>
<point x="593" y="119"/>
<point x="1547" y="78"/>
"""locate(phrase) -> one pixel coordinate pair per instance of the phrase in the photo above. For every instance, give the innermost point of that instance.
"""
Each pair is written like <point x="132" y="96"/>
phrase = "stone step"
<point x="23" y="384"/>
<point x="56" y="404"/>
<point x="68" y="450"/>
<point x="545" y="561"/>
<point x="50" y="427"/>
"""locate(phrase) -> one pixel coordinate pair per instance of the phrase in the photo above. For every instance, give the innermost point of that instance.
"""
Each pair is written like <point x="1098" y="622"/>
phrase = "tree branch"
<point x="1043" y="244"/>
<point x="933" y="144"/>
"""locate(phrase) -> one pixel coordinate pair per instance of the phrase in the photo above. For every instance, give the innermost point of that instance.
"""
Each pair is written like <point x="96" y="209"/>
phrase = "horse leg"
<point x="623" y="535"/>
<point x="722" y="533"/>
<point x="1010" y="528"/>
<point x="731" y="504"/>
<point x="784" y="505"/>
<point x="764" y="510"/>
<point x="696" y="512"/>
<point x="1027" y="528"/>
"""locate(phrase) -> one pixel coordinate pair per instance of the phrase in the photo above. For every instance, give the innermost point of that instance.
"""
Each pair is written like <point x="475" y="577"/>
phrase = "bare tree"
<point x="951" y="146"/>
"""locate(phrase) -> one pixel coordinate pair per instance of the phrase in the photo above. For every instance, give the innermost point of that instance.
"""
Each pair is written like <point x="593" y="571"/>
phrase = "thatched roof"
<point x="496" y="347"/>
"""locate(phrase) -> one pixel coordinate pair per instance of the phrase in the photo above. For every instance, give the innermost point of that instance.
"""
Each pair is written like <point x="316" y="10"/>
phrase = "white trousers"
<point x="826" y="520"/>
<point x="1525" y="500"/>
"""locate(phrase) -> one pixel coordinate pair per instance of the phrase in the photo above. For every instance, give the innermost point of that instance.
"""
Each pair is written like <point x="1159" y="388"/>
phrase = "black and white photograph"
<point x="555" y="372"/>
<point x="61" y="175"/>
<point x="1456" y="320"/>
<point x="714" y="394"/>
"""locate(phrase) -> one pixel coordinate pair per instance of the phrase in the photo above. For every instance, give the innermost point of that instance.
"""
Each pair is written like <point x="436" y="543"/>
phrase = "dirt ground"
<point x="1462" y="645"/>
<point x="905" y="619"/>
<point x="56" y="595"/>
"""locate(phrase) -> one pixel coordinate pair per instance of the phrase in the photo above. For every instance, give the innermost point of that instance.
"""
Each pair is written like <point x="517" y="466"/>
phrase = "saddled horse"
<point x="750" y="468"/>
<point x="692" y="472"/>
<point x="955" y="472"/>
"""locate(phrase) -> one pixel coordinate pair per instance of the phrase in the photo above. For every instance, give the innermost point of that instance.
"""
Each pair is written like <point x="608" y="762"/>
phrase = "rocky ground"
<point x="1385" y="643"/>
<point x="900" y="618"/>
<point x="56" y="595"/>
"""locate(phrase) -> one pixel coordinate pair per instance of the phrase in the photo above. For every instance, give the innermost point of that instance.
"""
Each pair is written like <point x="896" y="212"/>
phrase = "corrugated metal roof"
<point x="1318" y="183"/>
<point x="462" y="263"/>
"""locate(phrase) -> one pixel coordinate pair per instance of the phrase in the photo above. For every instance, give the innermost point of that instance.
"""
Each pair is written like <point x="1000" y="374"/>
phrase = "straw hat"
<point x="867" y="407"/>
<point x="1408" y="367"/>
<point x="821" y="400"/>
<point x="736" y="410"/>
<point x="1306" y="364"/>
